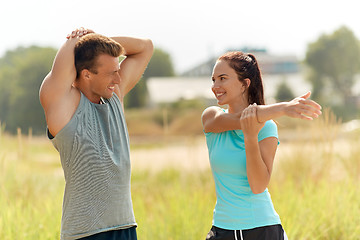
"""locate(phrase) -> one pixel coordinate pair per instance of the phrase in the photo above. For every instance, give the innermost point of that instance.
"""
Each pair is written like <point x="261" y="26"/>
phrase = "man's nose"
<point x="117" y="78"/>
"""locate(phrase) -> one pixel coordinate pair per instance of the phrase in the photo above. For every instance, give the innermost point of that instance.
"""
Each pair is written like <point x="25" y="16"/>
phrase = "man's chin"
<point x="107" y="96"/>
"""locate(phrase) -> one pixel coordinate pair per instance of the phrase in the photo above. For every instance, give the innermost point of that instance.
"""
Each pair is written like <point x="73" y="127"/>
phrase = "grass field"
<point x="314" y="186"/>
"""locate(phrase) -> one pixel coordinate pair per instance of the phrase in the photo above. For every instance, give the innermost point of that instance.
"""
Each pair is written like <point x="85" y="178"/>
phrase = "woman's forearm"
<point x="267" y="112"/>
<point x="301" y="107"/>
<point x="257" y="172"/>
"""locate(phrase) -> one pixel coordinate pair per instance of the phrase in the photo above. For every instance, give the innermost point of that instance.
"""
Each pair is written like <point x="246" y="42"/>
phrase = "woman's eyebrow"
<point x="223" y="74"/>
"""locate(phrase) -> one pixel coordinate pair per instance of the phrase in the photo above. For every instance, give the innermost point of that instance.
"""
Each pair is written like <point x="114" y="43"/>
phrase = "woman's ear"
<point x="246" y="83"/>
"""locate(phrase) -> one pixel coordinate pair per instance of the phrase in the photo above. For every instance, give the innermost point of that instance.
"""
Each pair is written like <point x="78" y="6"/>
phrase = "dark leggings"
<point x="122" y="234"/>
<point x="273" y="232"/>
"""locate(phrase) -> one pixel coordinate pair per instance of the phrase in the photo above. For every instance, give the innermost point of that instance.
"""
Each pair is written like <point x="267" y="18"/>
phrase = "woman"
<point x="242" y="160"/>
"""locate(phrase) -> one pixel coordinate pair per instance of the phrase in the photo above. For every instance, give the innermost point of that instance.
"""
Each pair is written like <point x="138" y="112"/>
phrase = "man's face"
<point x="103" y="82"/>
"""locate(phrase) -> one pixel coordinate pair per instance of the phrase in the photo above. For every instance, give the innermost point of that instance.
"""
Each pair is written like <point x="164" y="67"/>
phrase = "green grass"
<point x="314" y="187"/>
<point x="172" y="204"/>
<point x="30" y="203"/>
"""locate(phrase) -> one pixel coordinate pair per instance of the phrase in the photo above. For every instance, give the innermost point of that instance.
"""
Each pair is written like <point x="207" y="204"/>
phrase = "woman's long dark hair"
<point x="246" y="66"/>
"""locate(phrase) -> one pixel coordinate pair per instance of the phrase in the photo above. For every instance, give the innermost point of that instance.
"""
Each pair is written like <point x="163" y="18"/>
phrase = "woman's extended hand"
<point x="249" y="122"/>
<point x="302" y="107"/>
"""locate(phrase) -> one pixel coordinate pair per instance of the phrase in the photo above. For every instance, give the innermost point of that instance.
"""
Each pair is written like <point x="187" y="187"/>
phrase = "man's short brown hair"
<point x="89" y="47"/>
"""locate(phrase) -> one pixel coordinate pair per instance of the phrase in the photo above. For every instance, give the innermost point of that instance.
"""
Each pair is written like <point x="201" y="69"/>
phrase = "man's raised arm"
<point x="58" y="82"/>
<point x="138" y="53"/>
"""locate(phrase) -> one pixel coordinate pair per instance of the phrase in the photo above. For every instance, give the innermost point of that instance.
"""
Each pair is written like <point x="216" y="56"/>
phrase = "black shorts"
<point x="122" y="234"/>
<point x="273" y="232"/>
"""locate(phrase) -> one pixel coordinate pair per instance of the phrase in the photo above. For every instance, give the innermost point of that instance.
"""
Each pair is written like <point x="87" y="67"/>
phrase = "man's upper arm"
<point x="59" y="81"/>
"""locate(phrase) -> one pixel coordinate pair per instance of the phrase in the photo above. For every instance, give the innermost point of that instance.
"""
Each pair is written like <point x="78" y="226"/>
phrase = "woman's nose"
<point x="215" y="85"/>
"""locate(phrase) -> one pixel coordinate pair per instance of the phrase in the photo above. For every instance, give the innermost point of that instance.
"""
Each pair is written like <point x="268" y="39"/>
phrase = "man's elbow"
<point x="149" y="46"/>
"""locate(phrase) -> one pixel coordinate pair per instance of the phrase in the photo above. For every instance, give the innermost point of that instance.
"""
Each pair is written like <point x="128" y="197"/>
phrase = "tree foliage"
<point x="284" y="92"/>
<point x="21" y="73"/>
<point x="334" y="60"/>
<point x="160" y="65"/>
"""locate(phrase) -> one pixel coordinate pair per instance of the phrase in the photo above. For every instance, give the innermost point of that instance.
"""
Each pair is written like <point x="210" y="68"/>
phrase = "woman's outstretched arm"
<point x="215" y="120"/>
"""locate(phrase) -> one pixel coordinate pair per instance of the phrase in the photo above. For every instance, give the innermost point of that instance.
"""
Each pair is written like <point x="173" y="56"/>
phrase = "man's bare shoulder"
<point x="59" y="108"/>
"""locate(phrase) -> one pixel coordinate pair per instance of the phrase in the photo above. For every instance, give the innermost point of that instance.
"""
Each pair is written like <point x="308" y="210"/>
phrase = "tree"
<point x="22" y="71"/>
<point x="160" y="65"/>
<point x="334" y="60"/>
<point x="21" y="74"/>
<point x="284" y="92"/>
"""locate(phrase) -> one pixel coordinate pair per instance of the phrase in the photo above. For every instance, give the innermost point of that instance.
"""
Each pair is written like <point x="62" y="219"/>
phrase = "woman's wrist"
<point x="281" y="108"/>
<point x="250" y="139"/>
<point x="267" y="112"/>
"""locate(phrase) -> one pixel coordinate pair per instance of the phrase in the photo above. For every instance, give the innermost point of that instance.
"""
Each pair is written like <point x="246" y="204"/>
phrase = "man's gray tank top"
<point x="94" y="153"/>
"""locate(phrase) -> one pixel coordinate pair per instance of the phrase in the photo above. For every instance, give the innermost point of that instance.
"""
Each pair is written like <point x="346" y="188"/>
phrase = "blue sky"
<point x="190" y="30"/>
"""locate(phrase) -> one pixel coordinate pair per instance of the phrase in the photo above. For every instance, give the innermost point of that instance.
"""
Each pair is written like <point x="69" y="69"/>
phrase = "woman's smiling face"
<point x="227" y="87"/>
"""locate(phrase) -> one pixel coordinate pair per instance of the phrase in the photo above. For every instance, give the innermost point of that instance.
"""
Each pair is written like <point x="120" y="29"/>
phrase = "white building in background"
<point x="172" y="89"/>
<point x="268" y="63"/>
<point x="295" y="81"/>
<point x="196" y="83"/>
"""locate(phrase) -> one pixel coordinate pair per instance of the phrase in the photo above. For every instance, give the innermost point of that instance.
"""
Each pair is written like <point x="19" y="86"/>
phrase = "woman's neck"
<point x="237" y="108"/>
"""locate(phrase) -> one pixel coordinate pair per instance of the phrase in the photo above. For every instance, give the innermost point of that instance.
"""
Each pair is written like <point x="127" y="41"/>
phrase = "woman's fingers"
<point x="306" y="95"/>
<point x="307" y="112"/>
<point x="249" y="113"/>
<point x="311" y="108"/>
<point x="311" y="103"/>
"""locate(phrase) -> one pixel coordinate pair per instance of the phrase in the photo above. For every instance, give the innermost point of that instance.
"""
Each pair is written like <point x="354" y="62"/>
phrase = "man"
<point x="82" y="97"/>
